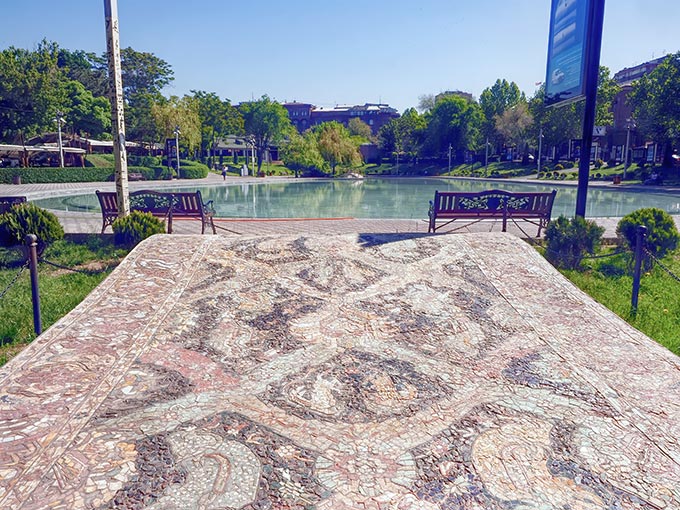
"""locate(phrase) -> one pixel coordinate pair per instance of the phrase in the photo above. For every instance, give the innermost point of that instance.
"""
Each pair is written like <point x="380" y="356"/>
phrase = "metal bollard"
<point x="32" y="243"/>
<point x="640" y="234"/>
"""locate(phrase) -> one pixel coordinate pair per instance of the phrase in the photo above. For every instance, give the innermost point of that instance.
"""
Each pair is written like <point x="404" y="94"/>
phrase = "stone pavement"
<point x="373" y="372"/>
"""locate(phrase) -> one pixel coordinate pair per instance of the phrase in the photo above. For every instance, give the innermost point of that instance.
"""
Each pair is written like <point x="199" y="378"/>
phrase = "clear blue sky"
<point x="330" y="52"/>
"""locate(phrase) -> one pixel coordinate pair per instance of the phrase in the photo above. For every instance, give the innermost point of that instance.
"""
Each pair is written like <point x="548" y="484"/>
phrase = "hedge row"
<point x="189" y="169"/>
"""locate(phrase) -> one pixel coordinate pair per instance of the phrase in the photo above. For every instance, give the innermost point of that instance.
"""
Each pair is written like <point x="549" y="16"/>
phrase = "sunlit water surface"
<point x="377" y="198"/>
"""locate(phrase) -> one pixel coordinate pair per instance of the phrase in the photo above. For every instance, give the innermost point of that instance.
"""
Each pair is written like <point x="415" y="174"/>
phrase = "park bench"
<point x="167" y="206"/>
<point x="6" y="203"/>
<point x="135" y="176"/>
<point x="449" y="206"/>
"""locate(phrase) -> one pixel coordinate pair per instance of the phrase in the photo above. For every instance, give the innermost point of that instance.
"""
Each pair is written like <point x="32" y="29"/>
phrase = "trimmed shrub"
<point x="598" y="163"/>
<point x="193" y="170"/>
<point x="568" y="164"/>
<point x="559" y="166"/>
<point x="568" y="241"/>
<point x="134" y="228"/>
<point x="662" y="234"/>
<point x="28" y="218"/>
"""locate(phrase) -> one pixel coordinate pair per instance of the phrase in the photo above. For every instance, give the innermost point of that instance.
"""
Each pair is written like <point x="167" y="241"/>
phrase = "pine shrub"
<point x="134" y="228"/>
<point x="662" y="234"/>
<point x="27" y="218"/>
<point x="568" y="241"/>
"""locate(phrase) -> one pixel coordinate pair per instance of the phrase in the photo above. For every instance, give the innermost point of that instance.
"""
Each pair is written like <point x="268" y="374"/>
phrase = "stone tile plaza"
<point x="359" y="370"/>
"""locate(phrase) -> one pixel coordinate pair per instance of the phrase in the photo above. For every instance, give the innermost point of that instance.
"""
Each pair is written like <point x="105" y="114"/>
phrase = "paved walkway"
<point x="372" y="372"/>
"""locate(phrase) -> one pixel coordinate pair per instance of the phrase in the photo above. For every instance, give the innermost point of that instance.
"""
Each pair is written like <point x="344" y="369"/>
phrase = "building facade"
<point x="304" y="115"/>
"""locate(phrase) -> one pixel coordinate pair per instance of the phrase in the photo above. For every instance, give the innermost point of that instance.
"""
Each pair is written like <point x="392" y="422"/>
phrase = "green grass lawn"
<point x="60" y="290"/>
<point x="608" y="281"/>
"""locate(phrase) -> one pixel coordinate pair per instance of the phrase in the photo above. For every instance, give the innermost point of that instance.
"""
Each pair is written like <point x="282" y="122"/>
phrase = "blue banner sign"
<point x="565" y="80"/>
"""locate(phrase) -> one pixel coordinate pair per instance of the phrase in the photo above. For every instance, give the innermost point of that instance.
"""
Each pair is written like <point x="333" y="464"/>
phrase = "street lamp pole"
<point x="626" y="161"/>
<point x="60" y="118"/>
<point x="449" y="158"/>
<point x="177" y="133"/>
<point x="540" y="149"/>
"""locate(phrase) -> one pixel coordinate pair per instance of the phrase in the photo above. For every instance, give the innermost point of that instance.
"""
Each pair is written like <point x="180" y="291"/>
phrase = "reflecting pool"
<point x="378" y="198"/>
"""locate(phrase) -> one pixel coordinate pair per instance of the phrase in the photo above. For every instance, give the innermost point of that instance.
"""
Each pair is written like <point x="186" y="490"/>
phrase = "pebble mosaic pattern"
<point x="371" y="372"/>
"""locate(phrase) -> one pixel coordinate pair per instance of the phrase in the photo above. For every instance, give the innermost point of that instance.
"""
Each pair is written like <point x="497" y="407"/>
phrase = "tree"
<point x="560" y="124"/>
<point x="302" y="151"/>
<point x="425" y="103"/>
<point x="359" y="128"/>
<point x="336" y="145"/>
<point x="513" y="125"/>
<point x="655" y="99"/>
<point x="404" y="134"/>
<point x="266" y="122"/>
<point x="140" y="121"/>
<point x="86" y="68"/>
<point x="143" y="73"/>
<point x="454" y="121"/>
<point x="218" y="118"/>
<point x="179" y="112"/>
<point x="494" y="101"/>
<point x="31" y="90"/>
<point x="85" y="113"/>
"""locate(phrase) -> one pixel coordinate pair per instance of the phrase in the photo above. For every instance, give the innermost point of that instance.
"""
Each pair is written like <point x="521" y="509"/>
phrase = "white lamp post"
<point x="449" y="158"/>
<point x="540" y="149"/>
<point x="59" y="119"/>
<point x="630" y="124"/>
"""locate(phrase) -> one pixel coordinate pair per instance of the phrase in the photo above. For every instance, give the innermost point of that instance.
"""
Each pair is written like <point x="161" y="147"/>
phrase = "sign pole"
<point x="117" y="116"/>
<point x="595" y="21"/>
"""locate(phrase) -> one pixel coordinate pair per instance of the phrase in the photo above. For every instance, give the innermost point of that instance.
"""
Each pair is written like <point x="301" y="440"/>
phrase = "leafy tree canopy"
<point x="266" y="122"/>
<point x="336" y="145"/>
<point x="656" y="104"/>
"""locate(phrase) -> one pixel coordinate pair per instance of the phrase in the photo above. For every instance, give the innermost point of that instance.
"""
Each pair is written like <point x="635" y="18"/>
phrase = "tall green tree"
<point x="143" y="73"/>
<point x="655" y="99"/>
<point x="86" y="68"/>
<point x="454" y="121"/>
<point x="494" y="101"/>
<point x="218" y="118"/>
<point x="336" y="145"/>
<point x="513" y="125"/>
<point x="302" y="151"/>
<point x="183" y="113"/>
<point x="31" y="90"/>
<point x="86" y="114"/>
<point x="358" y="127"/>
<point x="404" y="134"/>
<point x="266" y="122"/>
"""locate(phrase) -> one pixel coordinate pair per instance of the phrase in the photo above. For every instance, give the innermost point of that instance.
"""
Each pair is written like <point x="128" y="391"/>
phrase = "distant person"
<point x="224" y="172"/>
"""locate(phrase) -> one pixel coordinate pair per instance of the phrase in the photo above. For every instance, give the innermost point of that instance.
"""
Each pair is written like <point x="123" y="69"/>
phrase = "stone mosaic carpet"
<point x="340" y="372"/>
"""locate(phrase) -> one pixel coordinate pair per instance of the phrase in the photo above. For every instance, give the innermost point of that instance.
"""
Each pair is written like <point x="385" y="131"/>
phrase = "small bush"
<point x="598" y="163"/>
<point x="131" y="230"/>
<point x="662" y="234"/>
<point x="568" y="241"/>
<point x="568" y="164"/>
<point x="193" y="170"/>
<point x="24" y="219"/>
<point x="559" y="166"/>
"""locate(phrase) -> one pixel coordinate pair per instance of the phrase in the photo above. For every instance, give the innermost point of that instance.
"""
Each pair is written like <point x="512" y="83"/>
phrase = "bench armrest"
<point x="208" y="207"/>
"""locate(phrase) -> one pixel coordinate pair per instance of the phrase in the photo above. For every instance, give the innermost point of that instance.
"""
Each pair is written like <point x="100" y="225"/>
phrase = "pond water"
<point x="378" y="198"/>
